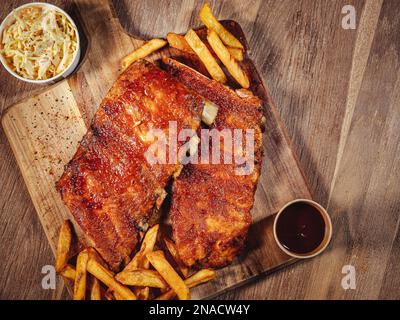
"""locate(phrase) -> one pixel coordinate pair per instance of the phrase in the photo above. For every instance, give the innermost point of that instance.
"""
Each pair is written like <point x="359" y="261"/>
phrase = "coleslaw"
<point x="40" y="43"/>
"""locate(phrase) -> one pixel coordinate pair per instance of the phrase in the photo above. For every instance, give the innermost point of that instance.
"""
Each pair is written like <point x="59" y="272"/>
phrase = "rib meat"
<point x="210" y="210"/>
<point x="109" y="186"/>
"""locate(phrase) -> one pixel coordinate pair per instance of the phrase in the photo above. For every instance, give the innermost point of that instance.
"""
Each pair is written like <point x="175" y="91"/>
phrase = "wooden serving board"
<point x="44" y="132"/>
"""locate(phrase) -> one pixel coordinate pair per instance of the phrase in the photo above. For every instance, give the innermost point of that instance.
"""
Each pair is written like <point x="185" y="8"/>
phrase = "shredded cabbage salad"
<point x="40" y="44"/>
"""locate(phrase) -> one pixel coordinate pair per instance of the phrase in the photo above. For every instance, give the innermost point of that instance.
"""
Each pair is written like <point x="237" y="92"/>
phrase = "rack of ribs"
<point x="211" y="203"/>
<point x="109" y="187"/>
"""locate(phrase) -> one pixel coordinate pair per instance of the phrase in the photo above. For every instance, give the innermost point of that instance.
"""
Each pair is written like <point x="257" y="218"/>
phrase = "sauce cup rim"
<point x="328" y="230"/>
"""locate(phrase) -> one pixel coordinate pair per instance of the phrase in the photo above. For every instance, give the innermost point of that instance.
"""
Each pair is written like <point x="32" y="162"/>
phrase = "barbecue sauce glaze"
<point x="300" y="228"/>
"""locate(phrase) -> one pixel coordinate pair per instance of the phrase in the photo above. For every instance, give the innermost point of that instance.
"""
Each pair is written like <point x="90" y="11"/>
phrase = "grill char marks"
<point x="109" y="186"/>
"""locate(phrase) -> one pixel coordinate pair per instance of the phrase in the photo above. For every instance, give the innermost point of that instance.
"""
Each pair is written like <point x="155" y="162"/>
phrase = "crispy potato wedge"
<point x="161" y="264"/>
<point x="80" y="276"/>
<point x="207" y="17"/>
<point x="205" y="56"/>
<point x="95" y="290"/>
<point x="142" y="52"/>
<point x="231" y="65"/>
<point x="139" y="261"/>
<point x="174" y="253"/>
<point x="236" y="53"/>
<point x="68" y="272"/>
<point x="141" y="278"/>
<point x="105" y="276"/>
<point x="63" y="246"/>
<point x="194" y="280"/>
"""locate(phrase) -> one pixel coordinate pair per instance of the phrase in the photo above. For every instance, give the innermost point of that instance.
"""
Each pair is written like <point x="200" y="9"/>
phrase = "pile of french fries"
<point x="220" y="43"/>
<point x="148" y="275"/>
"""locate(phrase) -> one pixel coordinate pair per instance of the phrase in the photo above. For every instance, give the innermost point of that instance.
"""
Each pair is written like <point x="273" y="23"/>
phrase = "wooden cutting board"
<point x="44" y="132"/>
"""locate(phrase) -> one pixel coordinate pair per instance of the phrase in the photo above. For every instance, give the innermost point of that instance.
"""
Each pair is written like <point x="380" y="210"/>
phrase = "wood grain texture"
<point x="309" y="63"/>
<point x="44" y="131"/>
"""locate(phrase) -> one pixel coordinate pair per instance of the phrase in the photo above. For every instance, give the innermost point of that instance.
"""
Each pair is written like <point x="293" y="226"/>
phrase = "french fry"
<point x="140" y="260"/>
<point x="63" y="246"/>
<point x="141" y="278"/>
<point x="194" y="280"/>
<point x="109" y="295"/>
<point x="236" y="53"/>
<point x="104" y="275"/>
<point x="161" y="264"/>
<point x="205" y="56"/>
<point x="68" y="272"/>
<point x="136" y="260"/>
<point x="179" y="42"/>
<point x="142" y="52"/>
<point x="95" y="291"/>
<point x="200" y="277"/>
<point x="207" y="17"/>
<point x="113" y="295"/>
<point x="223" y="54"/>
<point x="210" y="112"/>
<point x="168" y="295"/>
<point x="80" y="276"/>
<point x="93" y="254"/>
<point x="174" y="253"/>
<point x="149" y="241"/>
<point x="116" y="295"/>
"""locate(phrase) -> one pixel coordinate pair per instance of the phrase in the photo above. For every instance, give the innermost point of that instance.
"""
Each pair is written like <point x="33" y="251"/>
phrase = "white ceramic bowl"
<point x="75" y="60"/>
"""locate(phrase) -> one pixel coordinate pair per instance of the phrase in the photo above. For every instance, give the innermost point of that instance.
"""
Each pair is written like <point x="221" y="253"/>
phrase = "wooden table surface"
<point x="338" y="92"/>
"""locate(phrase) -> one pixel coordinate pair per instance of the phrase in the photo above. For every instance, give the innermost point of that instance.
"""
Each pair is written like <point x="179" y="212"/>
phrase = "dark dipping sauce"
<point x="300" y="228"/>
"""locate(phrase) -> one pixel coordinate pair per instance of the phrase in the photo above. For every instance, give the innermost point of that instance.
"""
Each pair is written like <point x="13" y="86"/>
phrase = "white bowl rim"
<point x="328" y="228"/>
<point x="56" y="77"/>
